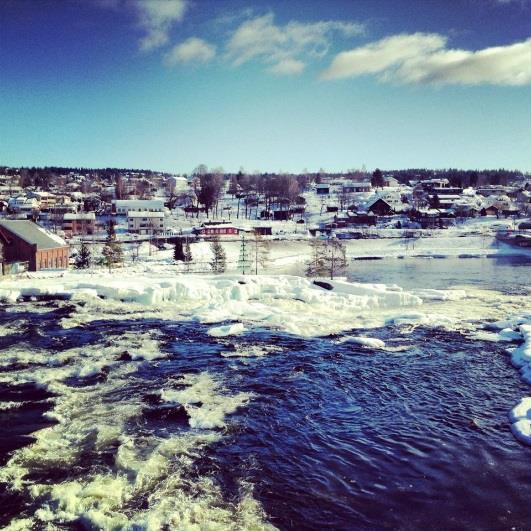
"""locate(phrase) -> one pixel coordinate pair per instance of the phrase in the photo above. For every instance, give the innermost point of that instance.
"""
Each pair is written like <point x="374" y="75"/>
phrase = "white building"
<point x="177" y="183"/>
<point x="23" y="204"/>
<point x="124" y="206"/>
<point x="144" y="222"/>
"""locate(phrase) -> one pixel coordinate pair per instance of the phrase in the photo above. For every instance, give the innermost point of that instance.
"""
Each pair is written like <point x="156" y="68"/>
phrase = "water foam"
<point x="205" y="401"/>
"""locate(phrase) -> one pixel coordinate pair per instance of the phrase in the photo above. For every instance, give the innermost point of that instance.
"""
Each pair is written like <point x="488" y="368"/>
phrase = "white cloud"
<point x="192" y="50"/>
<point x="157" y="17"/>
<point x="379" y="56"/>
<point x="288" y="67"/>
<point x="260" y="38"/>
<point x="423" y="58"/>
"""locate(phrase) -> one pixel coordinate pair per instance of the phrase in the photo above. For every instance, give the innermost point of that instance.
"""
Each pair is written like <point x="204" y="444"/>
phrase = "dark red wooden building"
<point x="25" y="241"/>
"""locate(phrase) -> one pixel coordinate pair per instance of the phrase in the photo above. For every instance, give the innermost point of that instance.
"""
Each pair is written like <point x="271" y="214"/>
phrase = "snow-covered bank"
<point x="293" y="254"/>
<point x="518" y="328"/>
<point x="289" y="303"/>
<point x="521" y="358"/>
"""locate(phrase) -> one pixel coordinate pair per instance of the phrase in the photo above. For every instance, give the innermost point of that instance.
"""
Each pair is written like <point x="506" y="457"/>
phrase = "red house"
<point x="79" y="223"/>
<point x="217" y="230"/>
<point x="25" y="241"/>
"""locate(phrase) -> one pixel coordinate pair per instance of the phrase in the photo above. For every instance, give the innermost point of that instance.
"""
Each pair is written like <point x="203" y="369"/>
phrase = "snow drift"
<point x="289" y="303"/>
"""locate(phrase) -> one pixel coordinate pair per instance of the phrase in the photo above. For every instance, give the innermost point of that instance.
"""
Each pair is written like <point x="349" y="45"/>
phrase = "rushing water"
<point x="155" y="424"/>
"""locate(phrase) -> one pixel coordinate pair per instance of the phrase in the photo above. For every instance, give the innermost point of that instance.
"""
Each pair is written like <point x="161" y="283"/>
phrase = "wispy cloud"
<point x="288" y="67"/>
<point x="192" y="50"/>
<point x="423" y="58"/>
<point x="156" y="18"/>
<point x="284" y="47"/>
<point x="507" y="2"/>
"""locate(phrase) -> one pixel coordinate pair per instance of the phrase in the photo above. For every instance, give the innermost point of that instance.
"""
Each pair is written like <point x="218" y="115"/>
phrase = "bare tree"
<point x="328" y="258"/>
<point x="187" y="255"/>
<point x="261" y="251"/>
<point x="210" y="187"/>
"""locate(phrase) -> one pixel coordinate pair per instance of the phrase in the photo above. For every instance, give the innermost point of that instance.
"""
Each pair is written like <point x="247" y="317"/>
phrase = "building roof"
<point x="138" y="203"/>
<point x="144" y="214"/>
<point x="69" y="216"/>
<point x="33" y="234"/>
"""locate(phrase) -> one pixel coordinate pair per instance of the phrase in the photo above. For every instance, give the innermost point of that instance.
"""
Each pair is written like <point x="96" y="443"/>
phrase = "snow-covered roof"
<point x="219" y="226"/>
<point x="138" y="203"/>
<point x="357" y="184"/>
<point x="79" y="216"/>
<point x="144" y="214"/>
<point x="32" y="233"/>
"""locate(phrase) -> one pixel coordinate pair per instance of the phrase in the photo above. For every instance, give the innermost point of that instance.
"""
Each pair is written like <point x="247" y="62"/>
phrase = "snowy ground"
<point x="286" y="253"/>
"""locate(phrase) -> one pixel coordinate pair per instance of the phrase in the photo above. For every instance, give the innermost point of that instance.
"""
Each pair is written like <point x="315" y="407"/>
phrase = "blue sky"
<point x="269" y="86"/>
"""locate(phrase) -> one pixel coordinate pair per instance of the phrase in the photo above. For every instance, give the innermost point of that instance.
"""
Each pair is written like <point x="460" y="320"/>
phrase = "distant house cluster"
<point x="42" y="213"/>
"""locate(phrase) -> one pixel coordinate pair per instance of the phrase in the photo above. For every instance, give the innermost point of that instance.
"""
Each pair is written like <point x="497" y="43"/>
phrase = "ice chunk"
<point x="365" y="341"/>
<point x="522" y="410"/>
<point x="227" y="330"/>
<point x="522" y="430"/>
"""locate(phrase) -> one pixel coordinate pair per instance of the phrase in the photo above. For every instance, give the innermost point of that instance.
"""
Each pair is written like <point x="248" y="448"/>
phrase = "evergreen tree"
<point x="112" y="254"/>
<point x="111" y="232"/>
<point x="84" y="257"/>
<point x="178" y="251"/>
<point x="377" y="179"/>
<point x="219" y="258"/>
<point x="112" y="251"/>
<point x="244" y="262"/>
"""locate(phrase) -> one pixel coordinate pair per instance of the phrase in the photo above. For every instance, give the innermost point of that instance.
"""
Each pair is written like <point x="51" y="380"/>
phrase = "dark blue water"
<point x="335" y="436"/>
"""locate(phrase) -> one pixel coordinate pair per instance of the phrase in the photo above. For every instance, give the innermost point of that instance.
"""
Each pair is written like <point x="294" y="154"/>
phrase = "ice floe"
<point x="227" y="330"/>
<point x="521" y="420"/>
<point x="365" y="341"/>
<point x="289" y="303"/>
<point x="520" y="415"/>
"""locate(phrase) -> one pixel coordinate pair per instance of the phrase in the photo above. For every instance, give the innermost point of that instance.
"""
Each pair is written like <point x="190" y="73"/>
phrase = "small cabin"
<point x="380" y="207"/>
<point x="264" y="231"/>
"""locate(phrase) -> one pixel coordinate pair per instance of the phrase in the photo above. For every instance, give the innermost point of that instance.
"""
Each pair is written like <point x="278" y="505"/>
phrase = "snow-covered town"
<point x="150" y="212"/>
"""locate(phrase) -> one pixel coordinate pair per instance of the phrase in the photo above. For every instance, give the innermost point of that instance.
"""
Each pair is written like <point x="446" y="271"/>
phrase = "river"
<point x="154" y="424"/>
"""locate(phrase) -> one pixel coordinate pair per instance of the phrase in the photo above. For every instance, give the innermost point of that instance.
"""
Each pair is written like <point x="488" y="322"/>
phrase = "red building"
<point x="79" y="223"/>
<point x="25" y="241"/>
<point x="217" y="230"/>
